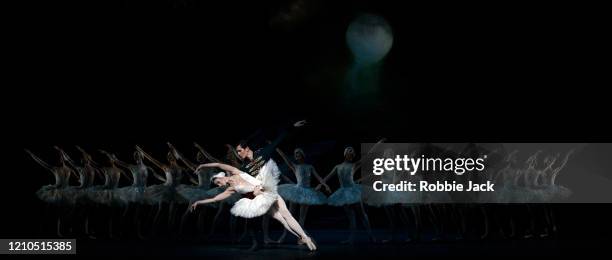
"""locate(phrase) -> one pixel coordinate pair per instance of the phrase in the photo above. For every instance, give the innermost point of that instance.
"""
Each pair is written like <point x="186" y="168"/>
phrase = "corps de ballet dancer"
<point x="301" y="193"/>
<point x="547" y="191"/>
<point x="393" y="203"/>
<point x="525" y="194"/>
<point x="105" y="194"/>
<point x="87" y="174"/>
<point x="134" y="196"/>
<point x="504" y="181"/>
<point x="166" y="193"/>
<point x="260" y="196"/>
<point x="55" y="195"/>
<point x="348" y="195"/>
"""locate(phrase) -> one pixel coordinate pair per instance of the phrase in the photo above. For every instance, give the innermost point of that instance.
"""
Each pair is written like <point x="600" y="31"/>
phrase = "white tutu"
<point x="268" y="178"/>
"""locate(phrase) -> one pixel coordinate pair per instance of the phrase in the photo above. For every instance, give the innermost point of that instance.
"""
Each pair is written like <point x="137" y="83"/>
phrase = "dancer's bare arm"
<point x="224" y="195"/>
<point x="333" y="171"/>
<point x="314" y="172"/>
<point x="228" y="168"/>
<point x="150" y="158"/>
<point x="205" y="153"/>
<point x="39" y="161"/>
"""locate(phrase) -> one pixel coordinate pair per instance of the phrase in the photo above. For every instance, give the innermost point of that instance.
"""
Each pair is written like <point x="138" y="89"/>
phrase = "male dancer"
<point x="252" y="162"/>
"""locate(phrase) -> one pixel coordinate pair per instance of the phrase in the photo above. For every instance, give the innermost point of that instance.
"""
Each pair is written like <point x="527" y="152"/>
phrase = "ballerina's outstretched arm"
<point x="224" y="195"/>
<point x="286" y="159"/>
<point x="39" y="161"/>
<point x="556" y="171"/>
<point x="93" y="165"/>
<point x="67" y="158"/>
<point x="358" y="163"/>
<point x="205" y="153"/>
<point x="179" y="156"/>
<point x="122" y="163"/>
<point x="155" y="174"/>
<point x="314" y="172"/>
<point x="150" y="158"/>
<point x="332" y="173"/>
<point x="289" y="164"/>
<point x="228" y="168"/>
<point x="114" y="160"/>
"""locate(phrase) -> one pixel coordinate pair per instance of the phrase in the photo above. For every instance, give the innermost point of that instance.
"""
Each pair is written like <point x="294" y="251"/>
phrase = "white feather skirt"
<point x="260" y="205"/>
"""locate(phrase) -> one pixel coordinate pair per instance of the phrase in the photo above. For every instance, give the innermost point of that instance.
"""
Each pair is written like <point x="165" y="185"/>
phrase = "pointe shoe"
<point x="309" y="243"/>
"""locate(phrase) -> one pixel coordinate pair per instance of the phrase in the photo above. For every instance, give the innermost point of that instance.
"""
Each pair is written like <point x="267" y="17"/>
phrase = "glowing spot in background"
<point x="369" y="37"/>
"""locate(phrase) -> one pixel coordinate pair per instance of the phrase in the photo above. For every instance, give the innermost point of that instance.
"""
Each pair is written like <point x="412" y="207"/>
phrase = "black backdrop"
<point x="112" y="74"/>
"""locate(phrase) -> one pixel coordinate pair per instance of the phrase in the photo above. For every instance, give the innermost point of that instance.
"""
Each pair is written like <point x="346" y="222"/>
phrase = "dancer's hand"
<point x="194" y="206"/>
<point x="299" y="123"/>
<point x="258" y="190"/>
<point x="327" y="188"/>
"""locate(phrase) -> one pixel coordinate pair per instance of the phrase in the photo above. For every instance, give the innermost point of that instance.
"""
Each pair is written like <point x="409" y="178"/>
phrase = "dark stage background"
<point x="113" y="74"/>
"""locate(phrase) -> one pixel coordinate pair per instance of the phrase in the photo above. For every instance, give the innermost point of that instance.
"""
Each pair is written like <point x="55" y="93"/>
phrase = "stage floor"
<point x="329" y="246"/>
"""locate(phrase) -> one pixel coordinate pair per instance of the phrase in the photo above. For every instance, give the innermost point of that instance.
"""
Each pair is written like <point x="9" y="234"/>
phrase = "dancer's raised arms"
<point x="39" y="161"/>
<point x="150" y="158"/>
<point x="228" y="168"/>
<point x="179" y="156"/>
<point x="113" y="159"/>
<point x="205" y="153"/>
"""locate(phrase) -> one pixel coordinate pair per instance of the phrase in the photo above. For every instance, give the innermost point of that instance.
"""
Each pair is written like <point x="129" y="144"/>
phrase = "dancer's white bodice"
<point x="248" y="185"/>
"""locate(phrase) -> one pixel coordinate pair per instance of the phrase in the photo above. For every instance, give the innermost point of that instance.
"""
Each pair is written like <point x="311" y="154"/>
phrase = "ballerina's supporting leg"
<point x="265" y="225"/>
<point x="281" y="239"/>
<point x="350" y="214"/>
<point x="366" y="222"/>
<point x="435" y="222"/>
<point x="156" y="219"/>
<point x="171" y="216"/>
<point x="58" y="212"/>
<point x="303" y="213"/>
<point x="390" y="213"/>
<point x="200" y="223"/>
<point x="530" y="229"/>
<point x="137" y="222"/>
<point x="293" y="224"/>
<point x="278" y="216"/>
<point x="416" y="211"/>
<point x="216" y="219"/>
<point x="184" y="218"/>
<point x="485" y="221"/>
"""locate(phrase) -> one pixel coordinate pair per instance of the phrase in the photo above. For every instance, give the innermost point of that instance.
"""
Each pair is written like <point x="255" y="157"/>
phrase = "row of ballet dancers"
<point x="108" y="204"/>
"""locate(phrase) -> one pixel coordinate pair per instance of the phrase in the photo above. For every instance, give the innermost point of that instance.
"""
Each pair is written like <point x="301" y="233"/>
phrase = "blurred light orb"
<point x="369" y="37"/>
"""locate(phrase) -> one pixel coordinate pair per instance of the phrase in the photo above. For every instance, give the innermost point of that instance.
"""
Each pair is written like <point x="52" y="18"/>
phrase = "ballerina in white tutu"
<point x="259" y="196"/>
